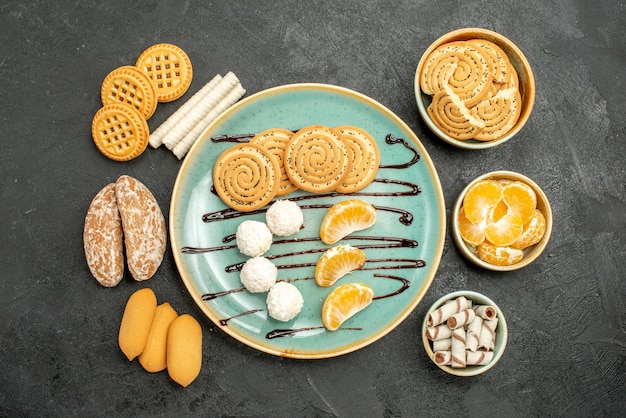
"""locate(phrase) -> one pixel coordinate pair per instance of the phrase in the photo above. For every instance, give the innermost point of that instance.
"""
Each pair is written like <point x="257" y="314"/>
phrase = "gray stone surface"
<point x="567" y="349"/>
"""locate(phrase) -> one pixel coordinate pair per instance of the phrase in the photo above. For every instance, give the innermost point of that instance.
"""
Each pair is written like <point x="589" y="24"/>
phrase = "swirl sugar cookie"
<point x="363" y="156"/>
<point x="169" y="68"/>
<point x="316" y="159"/>
<point x="130" y="86"/>
<point x="246" y="177"/>
<point x="452" y="117"/>
<point x="275" y="140"/>
<point x="498" y="113"/>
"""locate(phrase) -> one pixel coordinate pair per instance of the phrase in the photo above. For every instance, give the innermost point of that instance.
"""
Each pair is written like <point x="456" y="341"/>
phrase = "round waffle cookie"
<point x="170" y="69"/>
<point x="316" y="159"/>
<point x="120" y="132"/>
<point x="275" y="141"/>
<point x="130" y="86"/>
<point x="363" y="157"/>
<point x="246" y="177"/>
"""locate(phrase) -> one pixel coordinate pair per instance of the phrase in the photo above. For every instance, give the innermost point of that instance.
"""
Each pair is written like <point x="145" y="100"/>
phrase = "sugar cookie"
<point x="169" y="67"/>
<point x="275" y="140"/>
<point x="363" y="156"/>
<point x="129" y="85"/>
<point x="246" y="177"/>
<point x="120" y="132"/>
<point x="316" y="159"/>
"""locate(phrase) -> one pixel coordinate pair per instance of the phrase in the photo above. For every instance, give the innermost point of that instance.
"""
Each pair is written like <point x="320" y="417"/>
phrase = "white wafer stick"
<point x="473" y="333"/>
<point x="441" y="314"/>
<point x="442" y="345"/>
<point x="487" y="334"/>
<point x="479" y="358"/>
<point x="439" y="332"/>
<point x="458" y="348"/>
<point x="188" y="140"/>
<point x="195" y="114"/>
<point x="485" y="311"/>
<point x="156" y="137"/>
<point x="461" y="319"/>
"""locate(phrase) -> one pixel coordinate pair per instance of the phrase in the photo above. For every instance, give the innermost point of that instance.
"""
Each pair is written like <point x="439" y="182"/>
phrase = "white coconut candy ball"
<point x="253" y="238"/>
<point x="284" y="218"/>
<point x="284" y="301"/>
<point x="258" y="274"/>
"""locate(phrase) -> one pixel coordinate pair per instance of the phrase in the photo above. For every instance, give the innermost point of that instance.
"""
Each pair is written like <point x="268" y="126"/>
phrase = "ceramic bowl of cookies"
<point x="501" y="221"/>
<point x="464" y="333"/>
<point x="474" y="88"/>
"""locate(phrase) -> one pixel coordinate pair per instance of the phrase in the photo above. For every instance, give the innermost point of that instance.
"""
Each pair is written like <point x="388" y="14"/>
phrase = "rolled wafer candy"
<point x="438" y="332"/>
<point x="246" y="177"/>
<point x="451" y="116"/>
<point x="473" y="333"/>
<point x="499" y="114"/>
<point x="363" y="158"/>
<point x="487" y="336"/>
<point x="444" y="344"/>
<point x="185" y="111"/>
<point x="181" y="148"/>
<point x="443" y="358"/>
<point x="460" y="319"/>
<point x="485" y="311"/>
<point x="440" y="315"/>
<point x="275" y="140"/>
<point x="316" y="159"/>
<point x="458" y="348"/>
<point x="478" y="358"/>
<point x="200" y="110"/>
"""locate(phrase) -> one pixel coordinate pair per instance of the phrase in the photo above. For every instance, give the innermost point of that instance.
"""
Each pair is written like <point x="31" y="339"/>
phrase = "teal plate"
<point x="403" y="248"/>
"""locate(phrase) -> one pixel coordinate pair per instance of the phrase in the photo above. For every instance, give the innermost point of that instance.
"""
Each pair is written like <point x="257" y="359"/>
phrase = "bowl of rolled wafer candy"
<point x="464" y="333"/>
<point x="501" y="221"/>
<point x="474" y="88"/>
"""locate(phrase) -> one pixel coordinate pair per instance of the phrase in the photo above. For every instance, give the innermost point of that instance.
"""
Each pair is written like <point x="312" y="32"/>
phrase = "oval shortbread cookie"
<point x="169" y="68"/>
<point x="275" y="140"/>
<point x="129" y="85"/>
<point x="145" y="234"/>
<point x="363" y="156"/>
<point x="246" y="177"/>
<point x="102" y="238"/>
<point x="316" y="159"/>
<point x="120" y="132"/>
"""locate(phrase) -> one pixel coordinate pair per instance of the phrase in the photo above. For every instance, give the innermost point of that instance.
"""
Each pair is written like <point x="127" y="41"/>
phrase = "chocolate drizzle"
<point x="400" y="188"/>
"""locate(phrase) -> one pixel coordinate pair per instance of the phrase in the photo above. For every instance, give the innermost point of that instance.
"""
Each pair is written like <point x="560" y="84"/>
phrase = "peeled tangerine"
<point x="499" y="256"/>
<point x="136" y="322"/>
<point x="336" y="262"/>
<point x="344" y="302"/>
<point x="346" y="217"/>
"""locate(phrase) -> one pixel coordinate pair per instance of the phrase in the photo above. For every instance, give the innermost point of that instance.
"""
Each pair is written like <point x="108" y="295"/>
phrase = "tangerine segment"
<point x="499" y="256"/>
<point x="533" y="231"/>
<point x="521" y="199"/>
<point x="506" y="231"/>
<point x="336" y="263"/>
<point x="346" y="217"/>
<point x="498" y="211"/>
<point x="472" y="234"/>
<point x="344" y="302"/>
<point x="481" y="198"/>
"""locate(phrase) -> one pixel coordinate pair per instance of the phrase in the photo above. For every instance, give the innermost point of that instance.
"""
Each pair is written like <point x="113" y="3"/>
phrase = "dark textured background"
<point x="58" y="335"/>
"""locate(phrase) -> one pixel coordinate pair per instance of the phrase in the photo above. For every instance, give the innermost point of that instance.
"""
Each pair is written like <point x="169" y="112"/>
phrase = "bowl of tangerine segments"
<point x="502" y="221"/>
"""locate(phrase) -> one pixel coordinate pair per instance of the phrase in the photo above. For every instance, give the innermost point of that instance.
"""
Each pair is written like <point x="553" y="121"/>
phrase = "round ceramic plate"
<point x="403" y="248"/>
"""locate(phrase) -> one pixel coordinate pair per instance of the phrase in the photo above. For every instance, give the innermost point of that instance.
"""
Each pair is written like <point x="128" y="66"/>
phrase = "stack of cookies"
<point x="277" y="161"/>
<point x="475" y="90"/>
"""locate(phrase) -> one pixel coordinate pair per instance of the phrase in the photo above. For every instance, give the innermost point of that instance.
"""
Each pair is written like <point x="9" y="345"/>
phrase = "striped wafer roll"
<point x="363" y="156"/>
<point x="316" y="159"/>
<point x="444" y="344"/>
<point x="246" y="177"/>
<point x="443" y="358"/>
<point x="441" y="314"/>
<point x="452" y="117"/>
<point x="487" y="335"/>
<point x="460" y="319"/>
<point x="499" y="114"/>
<point x="485" y="311"/>
<point x="473" y="333"/>
<point x="478" y="358"/>
<point x="438" y="332"/>
<point x="458" y="348"/>
<point x="275" y="141"/>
